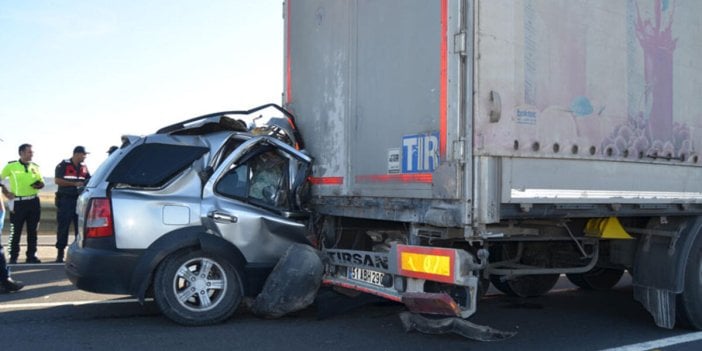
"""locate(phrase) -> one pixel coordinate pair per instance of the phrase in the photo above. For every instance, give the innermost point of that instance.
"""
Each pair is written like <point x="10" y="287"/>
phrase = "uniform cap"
<point x="79" y="150"/>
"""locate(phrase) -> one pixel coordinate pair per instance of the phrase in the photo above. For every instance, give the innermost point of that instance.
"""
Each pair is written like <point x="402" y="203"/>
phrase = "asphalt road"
<point x="50" y="314"/>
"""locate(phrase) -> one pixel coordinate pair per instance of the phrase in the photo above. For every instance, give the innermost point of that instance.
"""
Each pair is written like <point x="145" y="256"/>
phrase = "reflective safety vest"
<point x="21" y="177"/>
<point x="66" y="170"/>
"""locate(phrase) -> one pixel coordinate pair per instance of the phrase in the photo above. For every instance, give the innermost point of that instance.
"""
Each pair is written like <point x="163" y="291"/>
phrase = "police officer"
<point x="70" y="175"/>
<point x="25" y="182"/>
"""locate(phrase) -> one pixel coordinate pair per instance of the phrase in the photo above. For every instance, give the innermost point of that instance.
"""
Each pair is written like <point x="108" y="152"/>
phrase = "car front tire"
<point x="193" y="288"/>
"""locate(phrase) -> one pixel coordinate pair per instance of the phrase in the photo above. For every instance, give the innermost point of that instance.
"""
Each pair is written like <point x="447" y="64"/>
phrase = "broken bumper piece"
<point x="412" y="321"/>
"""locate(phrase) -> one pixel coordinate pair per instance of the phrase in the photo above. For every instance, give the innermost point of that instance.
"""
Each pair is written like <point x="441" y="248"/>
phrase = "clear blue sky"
<point x="86" y="72"/>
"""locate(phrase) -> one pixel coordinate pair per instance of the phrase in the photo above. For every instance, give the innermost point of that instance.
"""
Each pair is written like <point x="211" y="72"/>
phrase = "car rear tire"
<point x="192" y="287"/>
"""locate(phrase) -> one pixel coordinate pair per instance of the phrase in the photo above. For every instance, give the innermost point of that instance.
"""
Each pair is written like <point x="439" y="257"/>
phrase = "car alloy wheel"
<point x="192" y="287"/>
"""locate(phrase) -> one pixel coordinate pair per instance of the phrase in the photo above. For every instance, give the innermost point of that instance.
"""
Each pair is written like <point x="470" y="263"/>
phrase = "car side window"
<point x="261" y="180"/>
<point x="235" y="183"/>
<point x="154" y="164"/>
<point x="222" y="154"/>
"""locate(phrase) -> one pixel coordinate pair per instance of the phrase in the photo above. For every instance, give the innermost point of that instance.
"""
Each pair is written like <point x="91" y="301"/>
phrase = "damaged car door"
<point x="253" y="201"/>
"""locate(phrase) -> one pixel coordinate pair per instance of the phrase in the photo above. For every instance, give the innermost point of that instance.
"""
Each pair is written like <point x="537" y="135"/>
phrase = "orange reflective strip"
<point x="326" y="180"/>
<point x="443" y="81"/>
<point x="288" y="64"/>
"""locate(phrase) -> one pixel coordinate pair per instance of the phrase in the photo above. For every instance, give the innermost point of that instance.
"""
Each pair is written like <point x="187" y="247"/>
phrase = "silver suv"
<point x="196" y="215"/>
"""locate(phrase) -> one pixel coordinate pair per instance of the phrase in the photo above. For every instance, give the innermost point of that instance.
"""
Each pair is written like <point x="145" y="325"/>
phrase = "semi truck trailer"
<point x="462" y="143"/>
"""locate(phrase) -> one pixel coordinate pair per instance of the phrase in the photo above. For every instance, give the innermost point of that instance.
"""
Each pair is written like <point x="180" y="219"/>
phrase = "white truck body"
<point x="468" y="117"/>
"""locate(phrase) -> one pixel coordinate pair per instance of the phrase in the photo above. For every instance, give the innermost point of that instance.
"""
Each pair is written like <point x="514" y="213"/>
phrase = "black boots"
<point x="8" y="285"/>
<point x="33" y="259"/>
<point x="59" y="256"/>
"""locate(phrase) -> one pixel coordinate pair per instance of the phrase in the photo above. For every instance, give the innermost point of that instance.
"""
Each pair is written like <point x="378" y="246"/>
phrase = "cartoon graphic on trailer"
<point x="653" y="129"/>
<point x="632" y="113"/>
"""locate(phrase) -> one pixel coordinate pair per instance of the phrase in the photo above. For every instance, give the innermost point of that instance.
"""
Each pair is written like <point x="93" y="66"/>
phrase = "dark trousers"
<point x="65" y="215"/>
<point x="3" y="267"/>
<point x="25" y="211"/>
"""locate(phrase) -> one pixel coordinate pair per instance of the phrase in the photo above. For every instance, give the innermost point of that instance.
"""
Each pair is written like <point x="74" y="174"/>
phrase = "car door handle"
<point x="222" y="217"/>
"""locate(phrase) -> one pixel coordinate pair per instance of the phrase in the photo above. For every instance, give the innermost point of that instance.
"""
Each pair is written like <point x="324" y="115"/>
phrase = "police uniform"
<point x="25" y="206"/>
<point x="66" y="199"/>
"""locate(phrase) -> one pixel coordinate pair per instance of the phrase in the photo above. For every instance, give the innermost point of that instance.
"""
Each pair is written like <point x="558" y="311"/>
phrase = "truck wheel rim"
<point x="200" y="284"/>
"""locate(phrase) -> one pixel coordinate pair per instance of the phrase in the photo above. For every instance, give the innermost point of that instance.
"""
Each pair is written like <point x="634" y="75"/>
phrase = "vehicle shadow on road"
<point x="32" y="292"/>
<point x="104" y="310"/>
<point x="40" y="281"/>
<point x="44" y="273"/>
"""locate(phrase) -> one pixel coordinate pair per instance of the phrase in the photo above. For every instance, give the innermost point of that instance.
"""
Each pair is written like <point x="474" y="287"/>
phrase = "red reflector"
<point x="431" y="303"/>
<point x="98" y="223"/>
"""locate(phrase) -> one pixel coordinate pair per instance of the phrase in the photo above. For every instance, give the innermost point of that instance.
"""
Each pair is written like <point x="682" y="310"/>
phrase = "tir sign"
<point x="420" y="153"/>
<point x="426" y="263"/>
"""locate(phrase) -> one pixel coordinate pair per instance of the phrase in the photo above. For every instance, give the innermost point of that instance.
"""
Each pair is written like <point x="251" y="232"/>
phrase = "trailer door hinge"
<point x="459" y="43"/>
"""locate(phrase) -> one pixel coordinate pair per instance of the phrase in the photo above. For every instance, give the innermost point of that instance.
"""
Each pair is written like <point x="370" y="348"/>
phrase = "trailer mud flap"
<point x="659" y="268"/>
<point x="412" y="321"/>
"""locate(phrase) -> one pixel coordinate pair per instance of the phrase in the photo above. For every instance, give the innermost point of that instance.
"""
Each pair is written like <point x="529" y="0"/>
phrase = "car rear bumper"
<point x="101" y="271"/>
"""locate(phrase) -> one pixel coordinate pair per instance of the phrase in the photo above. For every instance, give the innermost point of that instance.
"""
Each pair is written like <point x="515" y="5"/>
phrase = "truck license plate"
<point x="366" y="275"/>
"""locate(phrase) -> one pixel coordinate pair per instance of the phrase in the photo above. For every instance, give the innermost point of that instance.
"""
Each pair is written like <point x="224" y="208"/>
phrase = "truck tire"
<point x="192" y="287"/>
<point x="525" y="285"/>
<point x="689" y="302"/>
<point x="597" y="278"/>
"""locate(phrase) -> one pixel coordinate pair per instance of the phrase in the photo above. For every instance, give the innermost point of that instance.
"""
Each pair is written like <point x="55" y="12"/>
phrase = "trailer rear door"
<point x="378" y="88"/>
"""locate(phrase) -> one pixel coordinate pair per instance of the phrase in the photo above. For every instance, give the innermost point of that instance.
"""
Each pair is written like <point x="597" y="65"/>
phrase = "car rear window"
<point x="152" y="165"/>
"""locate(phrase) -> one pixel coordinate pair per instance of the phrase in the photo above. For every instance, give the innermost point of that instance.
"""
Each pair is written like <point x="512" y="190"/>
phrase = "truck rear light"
<point x="435" y="264"/>
<point x="98" y="223"/>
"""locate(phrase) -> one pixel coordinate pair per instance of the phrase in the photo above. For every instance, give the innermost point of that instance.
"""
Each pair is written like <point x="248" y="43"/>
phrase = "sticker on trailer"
<point x="420" y="152"/>
<point x="526" y="115"/>
<point x="394" y="164"/>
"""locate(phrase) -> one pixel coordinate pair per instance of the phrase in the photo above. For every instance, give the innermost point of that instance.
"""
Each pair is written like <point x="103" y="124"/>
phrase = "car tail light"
<point x="98" y="223"/>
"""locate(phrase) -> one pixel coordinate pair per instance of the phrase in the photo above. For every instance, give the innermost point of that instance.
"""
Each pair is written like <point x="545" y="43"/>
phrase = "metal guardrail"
<point x="47" y="222"/>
